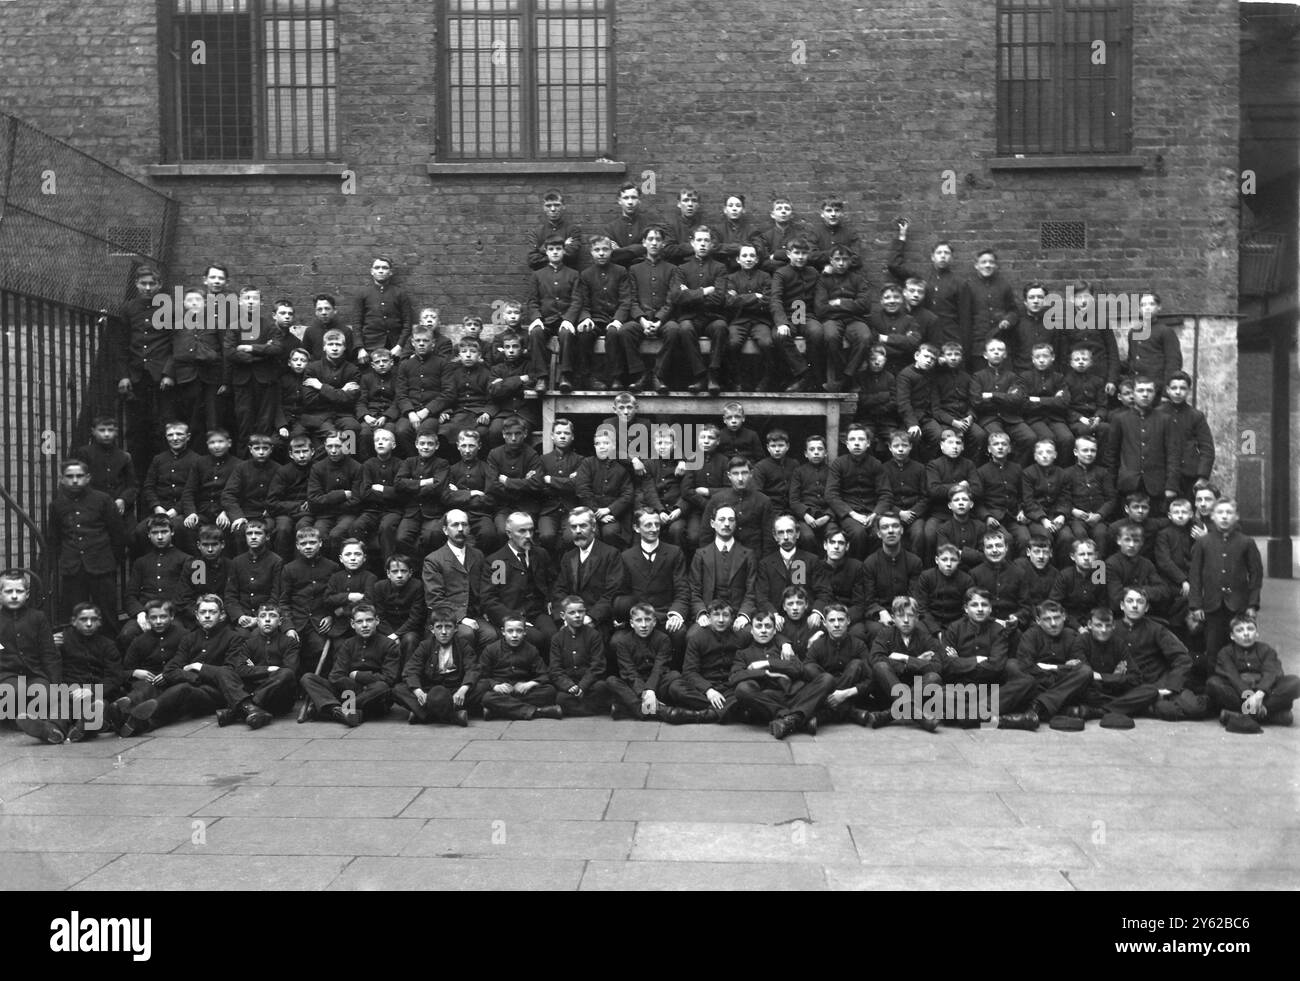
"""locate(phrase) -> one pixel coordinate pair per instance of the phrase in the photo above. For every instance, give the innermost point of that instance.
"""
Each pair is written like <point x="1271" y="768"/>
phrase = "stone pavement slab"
<point x="449" y="874"/>
<point x="373" y="773"/>
<point x="542" y="774"/>
<point x="504" y="839"/>
<point x="736" y="776"/>
<point x="123" y="801"/>
<point x="772" y="752"/>
<point x="938" y="810"/>
<point x="554" y="750"/>
<point x="214" y="873"/>
<point x="312" y="802"/>
<point x="305" y="836"/>
<point x="511" y="804"/>
<point x="91" y="833"/>
<point x="33" y="871"/>
<point x="969" y="847"/>
<point x="944" y="878"/>
<point x="701" y="876"/>
<point x="798" y="842"/>
<point x="1084" y="813"/>
<point x="725" y="806"/>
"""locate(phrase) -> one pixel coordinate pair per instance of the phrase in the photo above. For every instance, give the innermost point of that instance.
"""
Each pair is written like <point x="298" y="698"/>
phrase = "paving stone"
<point x="771" y="752"/>
<point x="215" y="873"/>
<point x="374" y="749"/>
<point x="394" y="730"/>
<point x="91" y="833"/>
<point x="932" y="778"/>
<point x="723" y="806"/>
<point x="911" y="879"/>
<point x="373" y="773"/>
<point x="495" y="803"/>
<point x="511" y="839"/>
<point x="125" y="801"/>
<point x="798" y="843"/>
<point x="330" y="801"/>
<point x="927" y="810"/>
<point x="701" y="877"/>
<point x="1192" y="851"/>
<point x="208" y="750"/>
<point x="969" y="847"/>
<point x="714" y="733"/>
<point x="12" y="791"/>
<point x="1180" y="880"/>
<point x="1085" y="813"/>
<point x="1095" y="779"/>
<point x="448" y="874"/>
<point x="541" y="774"/>
<point x="1250" y="808"/>
<point x="919" y="747"/>
<point x="590" y="729"/>
<point x="219" y="773"/>
<point x="578" y="751"/>
<point x="736" y="776"/>
<point x="306" y="836"/>
<point x="28" y="769"/>
<point x="48" y="871"/>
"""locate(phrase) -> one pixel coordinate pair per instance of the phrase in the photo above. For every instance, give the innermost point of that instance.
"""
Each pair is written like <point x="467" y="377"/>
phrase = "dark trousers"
<point x="680" y="349"/>
<point x="514" y="706"/>
<point x="1278" y="698"/>
<point x="256" y="406"/>
<point x="594" y="701"/>
<point x="99" y="588"/>
<point x="186" y="701"/>
<point x="887" y="677"/>
<point x="779" y="356"/>
<point x="853" y="674"/>
<point x="1015" y="684"/>
<point x="418" y="536"/>
<point x="621" y="693"/>
<point x="1057" y="689"/>
<point x="437" y="707"/>
<point x="148" y="410"/>
<point x="715" y="329"/>
<point x="276" y="692"/>
<point x="770" y="699"/>
<point x="371" y="698"/>
<point x="385" y="523"/>
<point x="623" y="351"/>
<point x="684" y="695"/>
<point x="195" y="402"/>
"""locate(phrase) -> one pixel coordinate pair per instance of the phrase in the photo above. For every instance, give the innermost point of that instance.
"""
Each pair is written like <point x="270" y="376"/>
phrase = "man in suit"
<point x="452" y="576"/>
<point x="517" y="578"/>
<point x="723" y="570"/>
<point x="789" y="565"/>
<point x="654" y="572"/>
<point x="593" y="570"/>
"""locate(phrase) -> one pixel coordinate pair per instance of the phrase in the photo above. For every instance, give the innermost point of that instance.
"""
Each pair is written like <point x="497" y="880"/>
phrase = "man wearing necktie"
<point x="723" y="570"/>
<point x="517" y="578"/>
<point x="592" y="570"/>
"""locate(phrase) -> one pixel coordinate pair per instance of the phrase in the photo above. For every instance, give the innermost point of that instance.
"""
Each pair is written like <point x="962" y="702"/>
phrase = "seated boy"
<point x="654" y="282"/>
<point x="952" y="405"/>
<point x="894" y="328"/>
<point x="512" y="472"/>
<point x="940" y="593"/>
<point x="916" y="396"/>
<point x="998" y="398"/>
<point x="334" y="490"/>
<point x="773" y="473"/>
<point x="975" y="649"/>
<point x="734" y="439"/>
<point x="158" y="574"/>
<point x="961" y="531"/>
<point x="510" y="379"/>
<point x="552" y="309"/>
<point x="555" y="224"/>
<point x="288" y="497"/>
<point x="843" y="658"/>
<point x="749" y="304"/>
<point x="422" y="482"/>
<point x="855" y="491"/>
<point x="511" y="679"/>
<point x="381" y="500"/>
<point x="577" y="662"/>
<point x="769" y="681"/>
<point x="1047" y="652"/>
<point x="604" y="307"/>
<point x="905" y="479"/>
<point x="808" y="493"/>
<point x="557" y="472"/>
<point x="1042" y="489"/>
<point x="703" y="691"/>
<point x="1248" y="680"/>
<point x="1160" y="662"/>
<point x="793" y="296"/>
<point x="465" y="396"/>
<point x="900" y="653"/>
<point x="361" y="682"/>
<point x="267" y="666"/>
<point x="877" y="394"/>
<point x="1046" y="400"/>
<point x="604" y="484"/>
<point x="399" y="602"/>
<point x="643" y="653"/>
<point x="1085" y="398"/>
<point x="377" y="400"/>
<point x="1081" y="587"/>
<point x="302" y="596"/>
<point x="996" y="487"/>
<point x="433" y="687"/>
<point x="330" y="390"/>
<point x="699" y="307"/>
<point x="947" y="472"/>
<point x="469" y="488"/>
<point x="1090" y="489"/>
<point x="842" y="303"/>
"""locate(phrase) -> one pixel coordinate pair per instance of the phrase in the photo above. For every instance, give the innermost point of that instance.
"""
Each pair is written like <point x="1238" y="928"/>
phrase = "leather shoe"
<point x="549" y="712"/>
<point x="137" y="720"/>
<point x="878" y="720"/>
<point x="861" y="716"/>
<point x="115" y="713"/>
<point x="256" y="717"/>
<point x="929" y="723"/>
<point x="658" y="384"/>
<point x="715" y="386"/>
<point x="810" y="725"/>
<point x="696" y="386"/>
<point x="1027" y="721"/>
<point x="225" y="717"/>
<point x="1281" y="718"/>
<point x="460" y="717"/>
<point x="42" y="729"/>
<point x="349" y="719"/>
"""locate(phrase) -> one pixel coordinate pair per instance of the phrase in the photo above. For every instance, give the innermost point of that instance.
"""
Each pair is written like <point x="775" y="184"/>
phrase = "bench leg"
<point x="548" y="421"/>
<point x="832" y="429"/>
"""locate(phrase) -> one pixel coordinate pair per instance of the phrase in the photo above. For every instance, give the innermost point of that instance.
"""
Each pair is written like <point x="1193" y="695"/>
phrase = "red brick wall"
<point x="892" y="94"/>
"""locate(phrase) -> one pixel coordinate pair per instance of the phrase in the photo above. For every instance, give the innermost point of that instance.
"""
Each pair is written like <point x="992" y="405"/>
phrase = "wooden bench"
<point x="653" y="346"/>
<point x="817" y="404"/>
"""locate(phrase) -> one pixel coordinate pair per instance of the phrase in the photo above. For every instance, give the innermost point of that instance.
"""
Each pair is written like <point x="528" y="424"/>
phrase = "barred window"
<point x="1064" y="82"/>
<point x="250" y="80"/>
<point x="525" y="79"/>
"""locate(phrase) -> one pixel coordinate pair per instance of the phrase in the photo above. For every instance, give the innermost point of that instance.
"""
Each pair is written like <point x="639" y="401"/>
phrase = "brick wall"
<point x="892" y="94"/>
